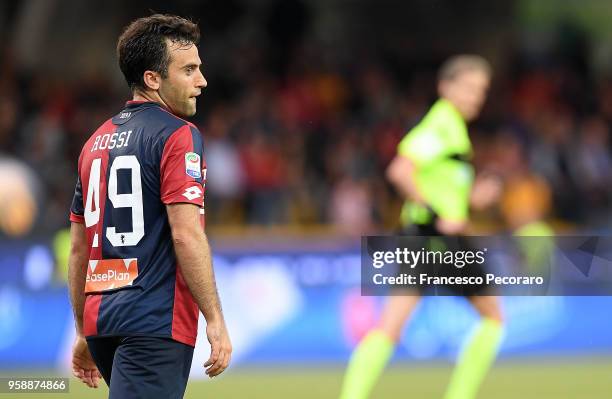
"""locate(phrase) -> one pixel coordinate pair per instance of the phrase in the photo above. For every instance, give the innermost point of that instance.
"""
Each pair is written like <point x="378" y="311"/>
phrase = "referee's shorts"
<point x="434" y="240"/>
<point x="140" y="367"/>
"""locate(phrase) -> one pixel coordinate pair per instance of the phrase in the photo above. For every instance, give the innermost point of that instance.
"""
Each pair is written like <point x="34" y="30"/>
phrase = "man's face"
<point x="184" y="81"/>
<point x="467" y="91"/>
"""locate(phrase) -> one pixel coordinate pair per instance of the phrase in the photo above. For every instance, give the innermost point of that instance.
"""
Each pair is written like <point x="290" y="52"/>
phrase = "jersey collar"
<point x="137" y="103"/>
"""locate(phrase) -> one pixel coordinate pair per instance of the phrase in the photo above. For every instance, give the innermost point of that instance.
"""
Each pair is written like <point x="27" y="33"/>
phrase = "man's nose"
<point x="201" y="81"/>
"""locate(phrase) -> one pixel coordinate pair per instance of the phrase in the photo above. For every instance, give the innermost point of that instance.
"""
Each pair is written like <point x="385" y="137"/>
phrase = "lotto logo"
<point x="192" y="193"/>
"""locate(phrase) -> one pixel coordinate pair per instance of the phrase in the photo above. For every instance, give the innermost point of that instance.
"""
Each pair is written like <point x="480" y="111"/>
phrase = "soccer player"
<point x="140" y="266"/>
<point x="431" y="171"/>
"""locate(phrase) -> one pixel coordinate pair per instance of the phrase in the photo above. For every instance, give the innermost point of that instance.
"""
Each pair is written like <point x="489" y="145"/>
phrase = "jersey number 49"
<point x="131" y="200"/>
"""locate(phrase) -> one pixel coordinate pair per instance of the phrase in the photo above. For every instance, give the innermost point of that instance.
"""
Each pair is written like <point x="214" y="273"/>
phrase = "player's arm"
<point x="194" y="257"/>
<point x="401" y="173"/>
<point x="182" y="181"/>
<point x="83" y="366"/>
<point x="77" y="269"/>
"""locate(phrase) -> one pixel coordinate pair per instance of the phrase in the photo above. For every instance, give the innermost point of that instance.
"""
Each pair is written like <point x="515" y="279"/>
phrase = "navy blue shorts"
<point x="142" y="367"/>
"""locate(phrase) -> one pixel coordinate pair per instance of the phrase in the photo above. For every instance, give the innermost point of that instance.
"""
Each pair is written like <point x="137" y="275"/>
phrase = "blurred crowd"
<point x="309" y="146"/>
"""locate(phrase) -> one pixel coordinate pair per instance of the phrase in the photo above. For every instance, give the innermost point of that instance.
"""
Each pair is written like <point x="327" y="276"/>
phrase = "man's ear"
<point x="152" y="80"/>
<point x="442" y="88"/>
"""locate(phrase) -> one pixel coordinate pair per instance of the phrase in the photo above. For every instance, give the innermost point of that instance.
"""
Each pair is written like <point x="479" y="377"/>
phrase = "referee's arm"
<point x="401" y="174"/>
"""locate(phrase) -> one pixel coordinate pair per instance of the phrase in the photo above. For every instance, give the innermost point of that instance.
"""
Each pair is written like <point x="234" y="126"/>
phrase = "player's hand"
<point x="220" y="348"/>
<point x="83" y="366"/>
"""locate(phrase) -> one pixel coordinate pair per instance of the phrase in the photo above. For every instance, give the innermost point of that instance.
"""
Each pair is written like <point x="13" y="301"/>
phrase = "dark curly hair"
<point x="142" y="45"/>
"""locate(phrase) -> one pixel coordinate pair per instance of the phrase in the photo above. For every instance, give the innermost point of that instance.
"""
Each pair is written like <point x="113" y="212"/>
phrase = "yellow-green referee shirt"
<point x="440" y="148"/>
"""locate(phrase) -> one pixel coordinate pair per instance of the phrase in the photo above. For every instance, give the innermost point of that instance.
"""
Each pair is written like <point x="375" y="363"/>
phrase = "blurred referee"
<point x="433" y="174"/>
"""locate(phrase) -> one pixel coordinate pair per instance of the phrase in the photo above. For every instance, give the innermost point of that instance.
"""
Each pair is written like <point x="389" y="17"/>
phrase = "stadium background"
<point x="305" y="105"/>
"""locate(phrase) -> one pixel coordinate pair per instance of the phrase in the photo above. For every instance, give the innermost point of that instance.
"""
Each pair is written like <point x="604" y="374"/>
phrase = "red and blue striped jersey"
<point x="133" y="166"/>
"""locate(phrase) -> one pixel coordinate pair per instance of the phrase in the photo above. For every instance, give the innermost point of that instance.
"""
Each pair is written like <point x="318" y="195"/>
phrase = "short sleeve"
<point x="76" y="209"/>
<point x="422" y="145"/>
<point x="182" y="167"/>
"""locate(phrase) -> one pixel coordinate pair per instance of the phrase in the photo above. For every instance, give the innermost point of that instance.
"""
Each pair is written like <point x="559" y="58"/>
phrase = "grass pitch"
<point x="550" y="379"/>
